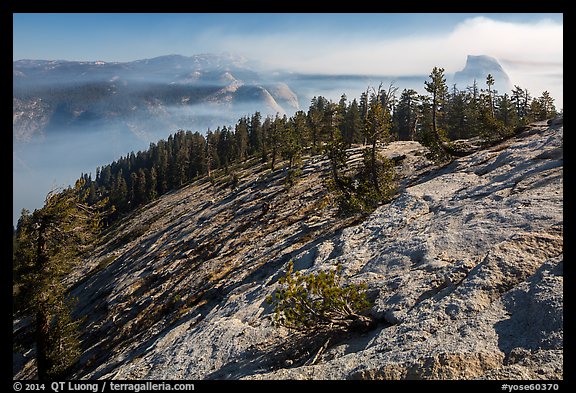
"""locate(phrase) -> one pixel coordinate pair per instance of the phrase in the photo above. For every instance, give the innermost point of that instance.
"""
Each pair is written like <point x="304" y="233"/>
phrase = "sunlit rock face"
<point x="464" y="267"/>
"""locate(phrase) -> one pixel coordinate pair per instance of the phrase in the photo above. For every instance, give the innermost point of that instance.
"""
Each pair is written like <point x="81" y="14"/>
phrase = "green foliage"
<point x="50" y="241"/>
<point x="405" y="118"/>
<point x="63" y="337"/>
<point x="491" y="129"/>
<point x="373" y="184"/>
<point x="436" y="152"/>
<point x="313" y="302"/>
<point x="383" y="167"/>
<point x="363" y="197"/>
<point x="542" y="108"/>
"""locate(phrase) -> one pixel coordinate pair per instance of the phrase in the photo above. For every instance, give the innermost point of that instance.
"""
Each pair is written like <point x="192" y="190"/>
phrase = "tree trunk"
<point x="434" y="129"/>
<point x="42" y="317"/>
<point x="373" y="167"/>
<point x="42" y="339"/>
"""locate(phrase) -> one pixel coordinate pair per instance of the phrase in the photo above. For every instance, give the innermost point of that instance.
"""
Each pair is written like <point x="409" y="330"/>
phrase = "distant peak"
<point x="477" y="69"/>
<point x="482" y="61"/>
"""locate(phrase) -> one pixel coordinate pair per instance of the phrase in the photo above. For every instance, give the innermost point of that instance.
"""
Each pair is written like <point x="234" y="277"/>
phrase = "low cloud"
<point x="358" y="54"/>
<point x="528" y="51"/>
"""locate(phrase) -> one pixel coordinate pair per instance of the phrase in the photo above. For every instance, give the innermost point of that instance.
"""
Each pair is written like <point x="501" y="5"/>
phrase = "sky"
<point x="529" y="46"/>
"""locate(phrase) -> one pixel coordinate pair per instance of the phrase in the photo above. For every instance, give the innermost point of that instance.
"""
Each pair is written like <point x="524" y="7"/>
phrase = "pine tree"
<point x="119" y="195"/>
<point x="242" y="138"/>
<point x="92" y="197"/>
<point x="301" y="129"/>
<point x="151" y="184"/>
<point x="291" y="146"/>
<point x="364" y="112"/>
<point x="353" y="124"/>
<point x="542" y="108"/>
<point x="521" y="99"/>
<point x="405" y="116"/>
<point x="341" y="112"/>
<point x="162" y="167"/>
<point x="316" y="120"/>
<point x="212" y="159"/>
<point x="438" y="90"/>
<point x="438" y="93"/>
<point x="224" y="148"/>
<point x="198" y="166"/>
<point x="336" y="149"/>
<point x="255" y="133"/>
<point x="54" y="237"/>
<point x="132" y="192"/>
<point x="141" y="189"/>
<point x="377" y="128"/>
<point x="266" y="138"/>
<point x="456" y="120"/>
<point x="276" y="136"/>
<point x="505" y="112"/>
<point x="490" y="82"/>
<point x="472" y="111"/>
<point x="314" y="302"/>
<point x="491" y="129"/>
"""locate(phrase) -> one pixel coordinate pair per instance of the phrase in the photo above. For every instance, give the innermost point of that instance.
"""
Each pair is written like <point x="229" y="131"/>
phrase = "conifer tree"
<point x="54" y="237"/>
<point x="353" y="124"/>
<point x="151" y="184"/>
<point x="456" y="120"/>
<point x="505" y="112"/>
<point x="141" y="189"/>
<point x="336" y="149"/>
<point x="490" y="82"/>
<point x="276" y="138"/>
<point x="242" y="138"/>
<point x="255" y="134"/>
<point x="377" y="128"/>
<point x="301" y="128"/>
<point x="405" y="117"/>
<point x="542" y="108"/>
<point x="472" y="111"/>
<point x="438" y="93"/>
<point x="521" y="99"/>
<point x="291" y="146"/>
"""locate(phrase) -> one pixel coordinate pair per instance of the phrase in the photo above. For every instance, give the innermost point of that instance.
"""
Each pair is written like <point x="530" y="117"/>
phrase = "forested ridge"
<point x="379" y="116"/>
<point x="453" y="114"/>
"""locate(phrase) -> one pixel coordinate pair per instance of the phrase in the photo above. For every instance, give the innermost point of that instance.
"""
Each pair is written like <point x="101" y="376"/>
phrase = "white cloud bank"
<point x="531" y="53"/>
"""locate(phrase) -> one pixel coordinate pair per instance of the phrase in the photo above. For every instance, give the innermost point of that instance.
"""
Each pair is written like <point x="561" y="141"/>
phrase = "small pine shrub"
<point x="314" y="302"/>
<point x="358" y="194"/>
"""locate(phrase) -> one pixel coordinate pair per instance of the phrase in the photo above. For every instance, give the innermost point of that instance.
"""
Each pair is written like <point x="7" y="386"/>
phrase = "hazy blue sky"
<point x="125" y="37"/>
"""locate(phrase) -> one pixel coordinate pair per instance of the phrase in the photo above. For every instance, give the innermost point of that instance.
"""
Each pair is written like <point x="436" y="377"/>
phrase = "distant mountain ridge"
<point x="174" y="91"/>
<point x="165" y="92"/>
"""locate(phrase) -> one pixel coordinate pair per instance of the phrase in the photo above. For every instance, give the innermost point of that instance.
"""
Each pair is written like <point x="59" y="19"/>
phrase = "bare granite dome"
<point x="465" y="267"/>
<point x="477" y="69"/>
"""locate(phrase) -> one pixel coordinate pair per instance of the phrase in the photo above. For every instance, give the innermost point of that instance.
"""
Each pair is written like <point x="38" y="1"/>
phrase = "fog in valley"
<point x="126" y="114"/>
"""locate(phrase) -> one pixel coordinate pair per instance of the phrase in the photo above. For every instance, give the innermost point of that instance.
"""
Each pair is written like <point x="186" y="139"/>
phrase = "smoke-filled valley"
<point x="72" y="117"/>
